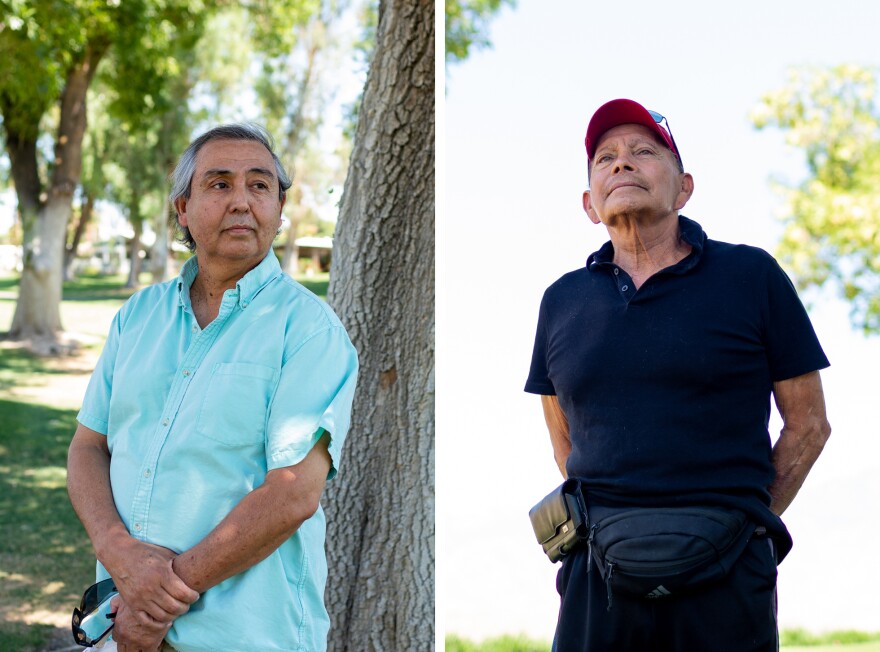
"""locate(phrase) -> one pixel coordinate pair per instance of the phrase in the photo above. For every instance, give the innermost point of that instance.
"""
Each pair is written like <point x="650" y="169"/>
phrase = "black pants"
<point x="736" y="615"/>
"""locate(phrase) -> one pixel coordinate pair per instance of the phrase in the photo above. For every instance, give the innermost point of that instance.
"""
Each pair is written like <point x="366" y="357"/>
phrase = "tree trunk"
<point x="38" y="310"/>
<point x="290" y="258"/>
<point x="159" y="252"/>
<point x="134" y="257"/>
<point x="22" y="150"/>
<point x="85" y="216"/>
<point x="380" y="510"/>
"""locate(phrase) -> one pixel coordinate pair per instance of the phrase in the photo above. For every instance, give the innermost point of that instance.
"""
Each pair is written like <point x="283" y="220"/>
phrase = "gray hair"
<point x="181" y="178"/>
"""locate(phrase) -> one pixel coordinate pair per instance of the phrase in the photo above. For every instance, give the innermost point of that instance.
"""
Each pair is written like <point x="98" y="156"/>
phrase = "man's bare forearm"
<point x="557" y="425"/>
<point x="88" y="485"/>
<point x="801" y="404"/>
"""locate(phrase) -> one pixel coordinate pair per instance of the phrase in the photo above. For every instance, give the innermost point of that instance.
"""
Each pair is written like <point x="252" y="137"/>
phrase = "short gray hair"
<point x="181" y="178"/>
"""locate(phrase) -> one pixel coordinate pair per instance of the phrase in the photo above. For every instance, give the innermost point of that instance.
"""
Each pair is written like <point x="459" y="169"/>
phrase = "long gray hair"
<point x="181" y="178"/>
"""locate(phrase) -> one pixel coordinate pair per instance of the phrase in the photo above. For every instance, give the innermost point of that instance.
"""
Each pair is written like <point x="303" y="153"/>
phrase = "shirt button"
<point x="625" y="288"/>
<point x="147" y="473"/>
<point x="137" y="527"/>
<point x="616" y="271"/>
<point x="165" y="422"/>
<point x="186" y="372"/>
<point x="195" y="329"/>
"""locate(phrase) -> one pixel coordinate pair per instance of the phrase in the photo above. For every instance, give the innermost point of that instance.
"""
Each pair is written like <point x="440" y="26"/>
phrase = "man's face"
<point x="233" y="211"/>
<point x="634" y="175"/>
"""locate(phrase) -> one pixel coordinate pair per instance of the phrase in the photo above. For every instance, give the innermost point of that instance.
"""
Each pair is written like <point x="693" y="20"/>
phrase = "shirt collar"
<point x="691" y="232"/>
<point x="248" y="286"/>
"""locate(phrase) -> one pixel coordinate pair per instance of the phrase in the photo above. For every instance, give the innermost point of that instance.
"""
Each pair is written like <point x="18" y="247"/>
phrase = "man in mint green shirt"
<point x="215" y="416"/>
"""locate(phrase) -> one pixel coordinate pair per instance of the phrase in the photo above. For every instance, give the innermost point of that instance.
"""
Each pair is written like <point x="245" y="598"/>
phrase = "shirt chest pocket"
<point x="236" y="401"/>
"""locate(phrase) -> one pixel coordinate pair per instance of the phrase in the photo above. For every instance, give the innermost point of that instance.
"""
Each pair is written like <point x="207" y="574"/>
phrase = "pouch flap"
<point x="552" y="513"/>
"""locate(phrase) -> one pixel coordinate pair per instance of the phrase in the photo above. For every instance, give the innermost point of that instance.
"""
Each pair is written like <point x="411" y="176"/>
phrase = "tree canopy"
<point x="832" y="218"/>
<point x="156" y="71"/>
<point x="467" y="25"/>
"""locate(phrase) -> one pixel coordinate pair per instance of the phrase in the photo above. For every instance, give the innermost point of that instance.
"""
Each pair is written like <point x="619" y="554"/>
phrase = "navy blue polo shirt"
<point x="667" y="388"/>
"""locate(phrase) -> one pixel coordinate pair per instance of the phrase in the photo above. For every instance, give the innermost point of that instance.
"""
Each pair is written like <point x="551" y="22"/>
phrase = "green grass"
<point x="792" y="640"/>
<point x="505" y="643"/>
<point x="46" y="559"/>
<point x="45" y="556"/>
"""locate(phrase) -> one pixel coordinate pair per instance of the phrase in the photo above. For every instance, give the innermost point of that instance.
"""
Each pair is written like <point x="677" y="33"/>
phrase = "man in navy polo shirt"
<point x="655" y="364"/>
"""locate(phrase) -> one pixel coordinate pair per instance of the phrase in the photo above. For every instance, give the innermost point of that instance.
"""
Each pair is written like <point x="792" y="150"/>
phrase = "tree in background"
<point x="381" y="508"/>
<point x="56" y="47"/>
<point x="295" y="85"/>
<point x="832" y="219"/>
<point x="467" y="25"/>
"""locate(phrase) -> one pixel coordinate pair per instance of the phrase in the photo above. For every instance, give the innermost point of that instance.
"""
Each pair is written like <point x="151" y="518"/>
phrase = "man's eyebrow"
<point x="264" y="171"/>
<point x="222" y="172"/>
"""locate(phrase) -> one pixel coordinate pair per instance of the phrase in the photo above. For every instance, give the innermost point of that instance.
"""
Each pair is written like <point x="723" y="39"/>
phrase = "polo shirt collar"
<point x="247" y="287"/>
<point x="691" y="232"/>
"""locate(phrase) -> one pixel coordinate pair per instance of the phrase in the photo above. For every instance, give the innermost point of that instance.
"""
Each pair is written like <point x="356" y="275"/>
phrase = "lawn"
<point x="46" y="560"/>
<point x="792" y="641"/>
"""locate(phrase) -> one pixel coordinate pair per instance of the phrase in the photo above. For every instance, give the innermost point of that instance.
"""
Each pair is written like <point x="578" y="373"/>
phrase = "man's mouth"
<point x="627" y="184"/>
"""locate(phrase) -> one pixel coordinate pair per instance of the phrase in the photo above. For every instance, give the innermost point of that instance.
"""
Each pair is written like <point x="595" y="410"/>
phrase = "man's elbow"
<point x="824" y="433"/>
<point x="296" y="500"/>
<point x="307" y="506"/>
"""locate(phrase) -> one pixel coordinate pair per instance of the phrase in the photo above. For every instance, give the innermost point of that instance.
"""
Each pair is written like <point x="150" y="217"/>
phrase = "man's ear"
<point x="588" y="208"/>
<point x="180" y="207"/>
<point x="685" y="192"/>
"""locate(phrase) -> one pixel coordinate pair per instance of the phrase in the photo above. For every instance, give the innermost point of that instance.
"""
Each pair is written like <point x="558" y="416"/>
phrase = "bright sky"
<point x="511" y="223"/>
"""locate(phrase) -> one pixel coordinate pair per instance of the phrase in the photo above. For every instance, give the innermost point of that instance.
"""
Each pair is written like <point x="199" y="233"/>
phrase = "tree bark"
<point x="38" y="310"/>
<point x="380" y="510"/>
<point x="22" y="150"/>
<point x="134" y="255"/>
<point x="159" y="253"/>
<point x="85" y="216"/>
<point x="290" y="257"/>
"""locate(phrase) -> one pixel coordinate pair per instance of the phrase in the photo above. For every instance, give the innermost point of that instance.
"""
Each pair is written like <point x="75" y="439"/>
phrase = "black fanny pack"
<point x="646" y="552"/>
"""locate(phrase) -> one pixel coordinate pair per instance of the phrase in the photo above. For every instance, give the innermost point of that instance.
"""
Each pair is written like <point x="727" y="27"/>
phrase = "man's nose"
<point x="623" y="163"/>
<point x="239" y="201"/>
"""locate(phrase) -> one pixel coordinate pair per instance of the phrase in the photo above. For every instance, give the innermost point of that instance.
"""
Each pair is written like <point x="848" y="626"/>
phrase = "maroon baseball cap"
<point x="620" y="112"/>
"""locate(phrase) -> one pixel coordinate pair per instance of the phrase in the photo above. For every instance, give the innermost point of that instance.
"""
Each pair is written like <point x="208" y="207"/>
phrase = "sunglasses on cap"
<point x="93" y="620"/>
<point x="664" y="124"/>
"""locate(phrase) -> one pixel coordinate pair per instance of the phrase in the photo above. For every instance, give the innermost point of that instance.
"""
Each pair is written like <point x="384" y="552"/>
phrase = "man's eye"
<point x="220" y="185"/>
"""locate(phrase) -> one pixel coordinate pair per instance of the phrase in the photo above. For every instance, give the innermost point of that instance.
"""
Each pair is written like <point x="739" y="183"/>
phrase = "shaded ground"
<point x="46" y="560"/>
<point x="45" y="556"/>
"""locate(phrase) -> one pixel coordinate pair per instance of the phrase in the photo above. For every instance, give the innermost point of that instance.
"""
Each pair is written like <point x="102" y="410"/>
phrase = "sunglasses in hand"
<point x="94" y="619"/>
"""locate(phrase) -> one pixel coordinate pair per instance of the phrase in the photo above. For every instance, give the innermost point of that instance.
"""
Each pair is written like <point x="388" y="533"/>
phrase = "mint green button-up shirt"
<point x="196" y="418"/>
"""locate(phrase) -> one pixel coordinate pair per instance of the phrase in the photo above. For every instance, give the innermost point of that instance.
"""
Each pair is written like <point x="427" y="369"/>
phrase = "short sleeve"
<point x="95" y="411"/>
<point x="314" y="396"/>
<point x="793" y="348"/>
<point x="539" y="381"/>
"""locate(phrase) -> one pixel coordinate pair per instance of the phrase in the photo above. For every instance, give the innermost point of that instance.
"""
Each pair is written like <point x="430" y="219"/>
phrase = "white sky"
<point x="511" y="223"/>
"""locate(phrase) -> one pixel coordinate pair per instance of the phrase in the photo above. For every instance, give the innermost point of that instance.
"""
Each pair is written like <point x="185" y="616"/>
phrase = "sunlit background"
<point x="516" y="115"/>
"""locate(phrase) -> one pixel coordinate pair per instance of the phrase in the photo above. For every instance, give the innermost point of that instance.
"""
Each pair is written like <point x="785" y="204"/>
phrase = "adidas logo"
<point x="659" y="592"/>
